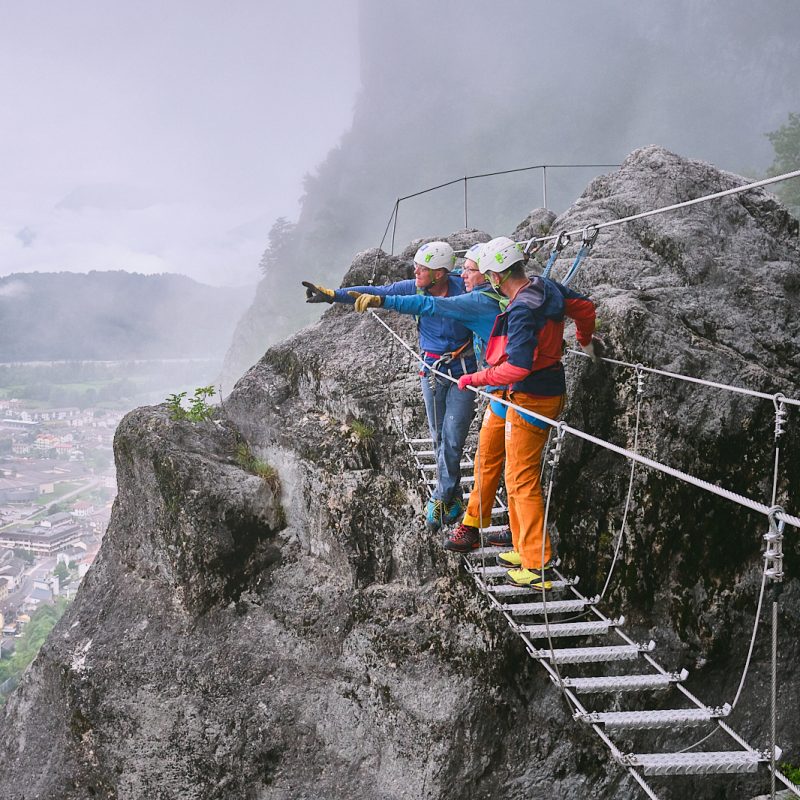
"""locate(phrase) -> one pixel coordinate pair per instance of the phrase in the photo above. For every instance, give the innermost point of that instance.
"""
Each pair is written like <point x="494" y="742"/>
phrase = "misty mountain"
<point x="114" y="315"/>
<point x="452" y="90"/>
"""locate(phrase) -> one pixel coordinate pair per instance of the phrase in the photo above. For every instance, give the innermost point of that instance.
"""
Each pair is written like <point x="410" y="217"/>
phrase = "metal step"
<point x="712" y="763"/>
<point x="509" y="590"/>
<point x="663" y="718"/>
<point x="625" y="683"/>
<point x="420" y="441"/>
<point x="464" y="481"/>
<point x="488" y="552"/>
<point x="500" y="572"/>
<point x="430" y="467"/>
<point x="594" y="655"/>
<point x="554" y="607"/>
<point x="560" y="629"/>
<point x="497" y="511"/>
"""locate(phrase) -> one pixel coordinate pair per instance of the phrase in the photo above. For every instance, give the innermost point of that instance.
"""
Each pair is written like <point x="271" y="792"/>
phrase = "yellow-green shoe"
<point x="529" y="578"/>
<point x="510" y="559"/>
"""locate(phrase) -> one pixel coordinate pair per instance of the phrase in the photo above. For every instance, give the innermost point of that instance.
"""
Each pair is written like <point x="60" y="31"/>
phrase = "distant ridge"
<point x="114" y="315"/>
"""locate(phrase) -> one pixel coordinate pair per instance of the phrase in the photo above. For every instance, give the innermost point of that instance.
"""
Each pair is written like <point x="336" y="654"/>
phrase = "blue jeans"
<point x="449" y="413"/>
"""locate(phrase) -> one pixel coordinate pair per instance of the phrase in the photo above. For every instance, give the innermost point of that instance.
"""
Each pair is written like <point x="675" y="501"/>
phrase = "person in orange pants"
<point x="525" y="441"/>
<point x="489" y="461"/>
<point x="524" y="353"/>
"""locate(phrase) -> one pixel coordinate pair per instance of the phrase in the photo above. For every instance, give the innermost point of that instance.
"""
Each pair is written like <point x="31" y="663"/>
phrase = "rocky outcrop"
<point x="236" y="641"/>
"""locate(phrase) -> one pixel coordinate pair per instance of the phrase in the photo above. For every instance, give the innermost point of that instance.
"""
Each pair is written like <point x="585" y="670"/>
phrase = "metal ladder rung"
<point x="420" y="441"/>
<point x="625" y="683"/>
<point x="709" y="763"/>
<point x="424" y="452"/>
<point x="494" y="528"/>
<point x="430" y="467"/>
<point x="488" y="551"/>
<point x="509" y="590"/>
<point x="554" y="607"/>
<point x="594" y="655"/>
<point x="464" y="481"/>
<point x="560" y="629"/>
<point x="496" y="512"/>
<point x="500" y="572"/>
<point x="647" y="720"/>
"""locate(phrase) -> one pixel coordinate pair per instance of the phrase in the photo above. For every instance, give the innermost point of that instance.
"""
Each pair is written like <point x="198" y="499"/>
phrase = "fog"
<point x="164" y="137"/>
<point x="168" y="137"/>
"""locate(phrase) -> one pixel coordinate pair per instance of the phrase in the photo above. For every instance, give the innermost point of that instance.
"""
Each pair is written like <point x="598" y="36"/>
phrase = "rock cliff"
<point x="291" y="631"/>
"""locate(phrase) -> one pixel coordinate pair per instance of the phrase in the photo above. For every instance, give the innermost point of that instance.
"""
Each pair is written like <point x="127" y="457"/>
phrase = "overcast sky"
<point x="164" y="136"/>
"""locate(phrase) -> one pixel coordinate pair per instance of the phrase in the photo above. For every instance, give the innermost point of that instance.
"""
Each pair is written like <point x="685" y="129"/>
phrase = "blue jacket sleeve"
<point x="399" y="287"/>
<point x="461" y="307"/>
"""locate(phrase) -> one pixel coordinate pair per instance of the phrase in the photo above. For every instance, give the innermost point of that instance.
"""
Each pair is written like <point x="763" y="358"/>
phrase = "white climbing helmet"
<point x="474" y="253"/>
<point x="499" y="254"/>
<point x="435" y="255"/>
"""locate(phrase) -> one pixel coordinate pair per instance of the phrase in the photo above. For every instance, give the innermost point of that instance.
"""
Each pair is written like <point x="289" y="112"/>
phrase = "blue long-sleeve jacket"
<point x="475" y="310"/>
<point x="437" y="335"/>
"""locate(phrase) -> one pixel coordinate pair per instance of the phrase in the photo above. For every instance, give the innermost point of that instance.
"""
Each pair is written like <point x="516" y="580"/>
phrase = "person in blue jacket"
<point x="446" y="345"/>
<point x="476" y="310"/>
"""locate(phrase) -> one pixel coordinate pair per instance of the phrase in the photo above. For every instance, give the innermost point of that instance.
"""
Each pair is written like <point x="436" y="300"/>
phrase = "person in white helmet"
<point x="477" y="310"/>
<point x="447" y="346"/>
<point x="524" y="352"/>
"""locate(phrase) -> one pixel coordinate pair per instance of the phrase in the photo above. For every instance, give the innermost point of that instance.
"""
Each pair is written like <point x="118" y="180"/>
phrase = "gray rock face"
<point x="236" y="642"/>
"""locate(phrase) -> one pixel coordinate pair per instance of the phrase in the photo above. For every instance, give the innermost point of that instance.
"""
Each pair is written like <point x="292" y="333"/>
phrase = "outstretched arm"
<point x="319" y="294"/>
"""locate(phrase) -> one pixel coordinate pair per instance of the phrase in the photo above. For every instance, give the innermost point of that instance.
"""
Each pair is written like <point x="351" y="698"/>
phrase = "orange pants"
<point x="488" y="469"/>
<point x="524" y="445"/>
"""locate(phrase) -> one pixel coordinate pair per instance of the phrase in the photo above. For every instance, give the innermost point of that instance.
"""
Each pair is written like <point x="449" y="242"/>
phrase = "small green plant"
<point x="791" y="772"/>
<point x="248" y="461"/>
<point x="362" y="431"/>
<point x="199" y="408"/>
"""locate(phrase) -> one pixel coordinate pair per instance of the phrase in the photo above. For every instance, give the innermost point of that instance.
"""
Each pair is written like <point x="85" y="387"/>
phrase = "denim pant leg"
<point x="459" y="410"/>
<point x="435" y="410"/>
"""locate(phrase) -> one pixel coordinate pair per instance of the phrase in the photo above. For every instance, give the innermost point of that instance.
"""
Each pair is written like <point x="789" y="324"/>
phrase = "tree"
<point x="786" y="144"/>
<point x="280" y="234"/>
<point x="61" y="572"/>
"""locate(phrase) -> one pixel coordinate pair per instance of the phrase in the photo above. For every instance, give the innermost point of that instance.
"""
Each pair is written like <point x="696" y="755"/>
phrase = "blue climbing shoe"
<point x="453" y="510"/>
<point x="434" y="512"/>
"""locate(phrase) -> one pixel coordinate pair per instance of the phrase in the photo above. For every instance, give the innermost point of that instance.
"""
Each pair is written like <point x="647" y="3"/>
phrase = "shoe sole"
<point x="460" y="549"/>
<point x="548" y="585"/>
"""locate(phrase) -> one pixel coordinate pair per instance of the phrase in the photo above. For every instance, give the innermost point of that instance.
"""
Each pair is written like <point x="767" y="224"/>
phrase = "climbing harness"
<point x="444" y="360"/>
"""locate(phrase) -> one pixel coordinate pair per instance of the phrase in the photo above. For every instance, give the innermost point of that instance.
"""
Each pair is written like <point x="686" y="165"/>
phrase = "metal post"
<point x="466" y="218"/>
<point x="773" y="695"/>
<point x="394" y="228"/>
<point x="544" y="187"/>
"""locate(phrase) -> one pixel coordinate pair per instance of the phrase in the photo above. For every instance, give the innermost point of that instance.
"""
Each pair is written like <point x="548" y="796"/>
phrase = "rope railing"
<point x="771" y="512"/>
<point x="466" y="179"/>
<point x="776" y="397"/>
<point x="664" y="209"/>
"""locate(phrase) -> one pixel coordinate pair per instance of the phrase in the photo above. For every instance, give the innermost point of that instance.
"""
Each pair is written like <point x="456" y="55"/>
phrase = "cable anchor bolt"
<point x="555" y="453"/>
<point x="778" y="400"/>
<point x="639" y="379"/>
<point x="773" y="554"/>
